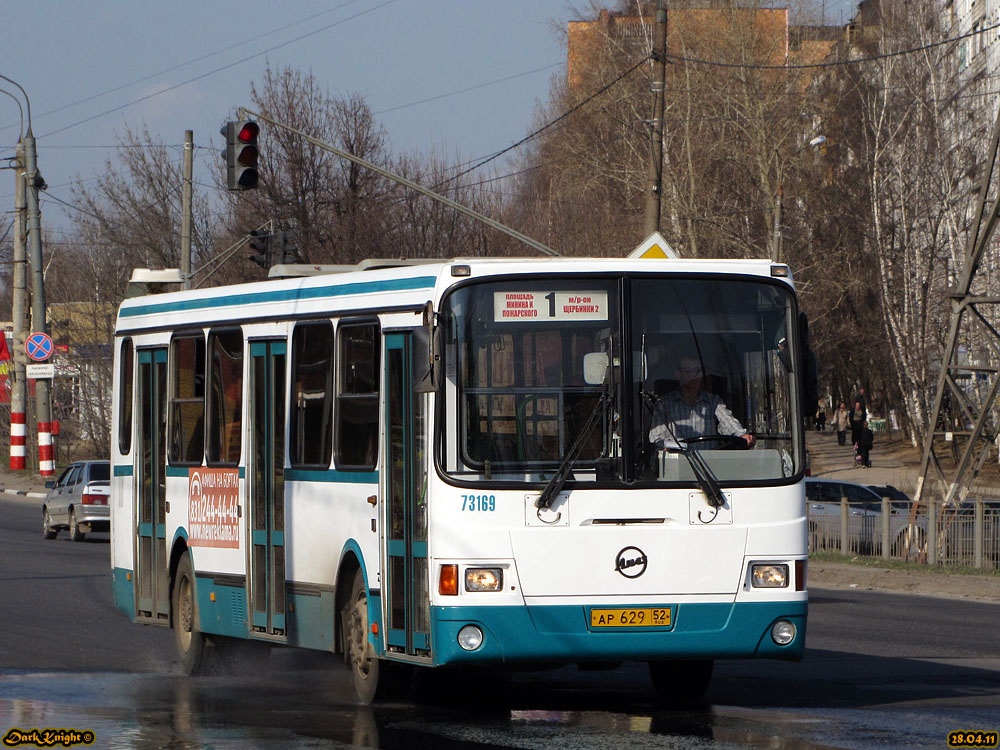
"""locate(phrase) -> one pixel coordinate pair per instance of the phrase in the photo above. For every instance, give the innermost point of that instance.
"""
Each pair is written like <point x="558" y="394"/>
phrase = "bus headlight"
<point x="470" y="637"/>
<point x="768" y="576"/>
<point x="483" y="579"/>
<point x="783" y="632"/>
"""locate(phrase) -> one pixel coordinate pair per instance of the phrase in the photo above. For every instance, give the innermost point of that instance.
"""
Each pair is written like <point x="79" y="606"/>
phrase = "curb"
<point x="22" y="493"/>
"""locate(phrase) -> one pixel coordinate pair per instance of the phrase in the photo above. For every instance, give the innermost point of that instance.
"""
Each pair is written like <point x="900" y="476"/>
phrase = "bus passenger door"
<point x="408" y="599"/>
<point x="267" y="487"/>
<point x="151" y="563"/>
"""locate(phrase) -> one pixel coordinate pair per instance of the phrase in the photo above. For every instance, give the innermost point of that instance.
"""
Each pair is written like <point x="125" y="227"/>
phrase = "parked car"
<point x="897" y="498"/>
<point x="864" y="524"/>
<point x="78" y="500"/>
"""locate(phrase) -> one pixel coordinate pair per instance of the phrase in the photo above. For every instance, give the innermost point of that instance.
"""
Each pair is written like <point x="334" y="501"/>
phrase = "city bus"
<point x="452" y="464"/>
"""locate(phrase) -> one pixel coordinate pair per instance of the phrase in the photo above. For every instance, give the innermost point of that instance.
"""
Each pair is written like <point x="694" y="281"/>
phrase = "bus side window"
<point x="311" y="409"/>
<point x="125" y="370"/>
<point x="357" y="395"/>
<point x="187" y="399"/>
<point x="225" y="396"/>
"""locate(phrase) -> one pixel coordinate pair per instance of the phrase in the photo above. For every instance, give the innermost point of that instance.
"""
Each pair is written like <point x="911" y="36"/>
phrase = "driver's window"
<point x="64" y="479"/>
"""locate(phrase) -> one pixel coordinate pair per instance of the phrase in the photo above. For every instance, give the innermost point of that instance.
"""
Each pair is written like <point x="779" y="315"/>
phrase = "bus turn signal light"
<point x="448" y="582"/>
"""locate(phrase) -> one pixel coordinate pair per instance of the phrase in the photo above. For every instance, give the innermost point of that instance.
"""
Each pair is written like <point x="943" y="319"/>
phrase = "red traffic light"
<point x="248" y="133"/>
<point x="241" y="154"/>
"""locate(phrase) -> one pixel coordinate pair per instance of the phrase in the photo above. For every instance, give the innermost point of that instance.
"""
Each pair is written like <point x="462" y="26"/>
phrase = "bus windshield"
<point x="621" y="376"/>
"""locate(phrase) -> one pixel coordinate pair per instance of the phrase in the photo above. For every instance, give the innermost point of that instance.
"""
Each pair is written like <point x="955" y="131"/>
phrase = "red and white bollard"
<point x="46" y="460"/>
<point x="18" y="438"/>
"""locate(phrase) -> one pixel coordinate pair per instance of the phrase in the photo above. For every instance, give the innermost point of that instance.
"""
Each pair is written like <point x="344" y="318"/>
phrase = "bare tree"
<point x="332" y="205"/>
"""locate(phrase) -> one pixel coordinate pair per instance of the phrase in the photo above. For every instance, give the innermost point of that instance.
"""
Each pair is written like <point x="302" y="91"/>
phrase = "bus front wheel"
<point x="681" y="681"/>
<point x="191" y="644"/>
<point x="373" y="678"/>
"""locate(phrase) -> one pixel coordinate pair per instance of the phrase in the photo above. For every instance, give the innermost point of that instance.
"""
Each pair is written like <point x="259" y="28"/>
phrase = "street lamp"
<point x="33" y="182"/>
<point x="776" y="236"/>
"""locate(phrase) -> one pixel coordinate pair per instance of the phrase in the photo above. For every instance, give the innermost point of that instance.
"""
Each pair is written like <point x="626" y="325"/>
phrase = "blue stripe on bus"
<point x="293" y="475"/>
<point x="123" y="470"/>
<point x="523" y="634"/>
<point x="332" y="475"/>
<point x="283" y="295"/>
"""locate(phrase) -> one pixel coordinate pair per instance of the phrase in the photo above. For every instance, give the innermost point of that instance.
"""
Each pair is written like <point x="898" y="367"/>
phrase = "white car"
<point x="78" y="501"/>
<point x="864" y="519"/>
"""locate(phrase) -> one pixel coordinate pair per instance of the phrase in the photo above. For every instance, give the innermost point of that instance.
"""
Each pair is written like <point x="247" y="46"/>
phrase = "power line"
<point x="217" y="70"/>
<point x="545" y="127"/>
<point x="188" y="62"/>
<point x="834" y="63"/>
<point x="470" y="88"/>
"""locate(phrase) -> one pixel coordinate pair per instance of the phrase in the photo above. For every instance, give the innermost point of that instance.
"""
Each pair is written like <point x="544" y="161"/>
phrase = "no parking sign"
<point x="39" y="346"/>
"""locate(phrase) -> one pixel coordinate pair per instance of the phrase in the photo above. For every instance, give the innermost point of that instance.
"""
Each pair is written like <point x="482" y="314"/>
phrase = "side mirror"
<point x="810" y="374"/>
<point x="595" y="368"/>
<point x="50" y="485"/>
<point x="425" y="354"/>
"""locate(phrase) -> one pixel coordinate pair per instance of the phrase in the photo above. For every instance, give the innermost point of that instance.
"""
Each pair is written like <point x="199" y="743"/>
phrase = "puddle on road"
<point x="315" y="709"/>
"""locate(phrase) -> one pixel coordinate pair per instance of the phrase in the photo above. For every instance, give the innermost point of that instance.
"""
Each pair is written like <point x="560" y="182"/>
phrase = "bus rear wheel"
<point x="374" y="679"/>
<point x="681" y="681"/>
<point x="189" y="641"/>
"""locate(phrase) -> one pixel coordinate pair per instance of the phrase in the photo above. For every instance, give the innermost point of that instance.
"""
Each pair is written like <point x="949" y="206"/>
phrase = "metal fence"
<point x="965" y="535"/>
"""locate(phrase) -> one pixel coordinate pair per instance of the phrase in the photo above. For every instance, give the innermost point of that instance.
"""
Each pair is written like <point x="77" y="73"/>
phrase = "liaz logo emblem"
<point x="631" y="562"/>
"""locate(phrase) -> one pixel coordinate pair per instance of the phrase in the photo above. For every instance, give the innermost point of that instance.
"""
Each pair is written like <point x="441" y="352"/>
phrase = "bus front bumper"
<point x="524" y="635"/>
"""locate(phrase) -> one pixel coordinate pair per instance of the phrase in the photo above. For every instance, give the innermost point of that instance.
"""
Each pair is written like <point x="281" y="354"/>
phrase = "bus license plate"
<point x="646" y="617"/>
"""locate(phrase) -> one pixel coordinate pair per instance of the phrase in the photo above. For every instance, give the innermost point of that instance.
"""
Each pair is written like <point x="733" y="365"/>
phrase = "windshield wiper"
<point x="706" y="479"/>
<point x="555" y="484"/>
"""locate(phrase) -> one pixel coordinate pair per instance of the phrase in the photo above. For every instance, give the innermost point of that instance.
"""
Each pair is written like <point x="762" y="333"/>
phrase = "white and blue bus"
<point x="450" y="464"/>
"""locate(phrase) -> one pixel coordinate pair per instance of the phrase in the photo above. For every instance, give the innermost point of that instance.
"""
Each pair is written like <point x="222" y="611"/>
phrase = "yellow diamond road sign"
<point x="654" y="247"/>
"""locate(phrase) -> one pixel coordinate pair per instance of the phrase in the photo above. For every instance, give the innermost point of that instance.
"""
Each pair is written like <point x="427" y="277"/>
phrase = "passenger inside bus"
<point x="689" y="414"/>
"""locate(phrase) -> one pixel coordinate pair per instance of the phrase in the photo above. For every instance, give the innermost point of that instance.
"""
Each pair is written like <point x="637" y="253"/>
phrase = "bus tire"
<point x="373" y="678"/>
<point x="681" y="681"/>
<point x="190" y="642"/>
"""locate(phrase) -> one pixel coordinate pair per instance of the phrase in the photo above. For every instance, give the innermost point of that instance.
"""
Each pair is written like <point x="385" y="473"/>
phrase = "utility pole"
<point x="18" y="389"/>
<point x="658" y="85"/>
<point x="32" y="182"/>
<point x="43" y="405"/>
<point x="186" y="209"/>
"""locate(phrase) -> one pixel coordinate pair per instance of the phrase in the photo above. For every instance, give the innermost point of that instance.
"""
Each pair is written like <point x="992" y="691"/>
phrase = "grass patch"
<point x="877" y="562"/>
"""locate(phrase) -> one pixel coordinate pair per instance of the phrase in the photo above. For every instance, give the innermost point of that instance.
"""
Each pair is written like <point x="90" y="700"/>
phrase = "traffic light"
<point x="289" y="252"/>
<point x="260" y="242"/>
<point x="241" y="154"/>
<point x="284" y="248"/>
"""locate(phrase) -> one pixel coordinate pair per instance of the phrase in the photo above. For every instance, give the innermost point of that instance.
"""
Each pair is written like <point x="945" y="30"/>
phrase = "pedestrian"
<point x="858" y="417"/>
<point x="820" y="417"/>
<point x="866" y="440"/>
<point x="841" y="418"/>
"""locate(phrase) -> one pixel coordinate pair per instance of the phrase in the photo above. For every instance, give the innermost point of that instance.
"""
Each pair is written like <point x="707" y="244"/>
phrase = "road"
<point x="884" y="670"/>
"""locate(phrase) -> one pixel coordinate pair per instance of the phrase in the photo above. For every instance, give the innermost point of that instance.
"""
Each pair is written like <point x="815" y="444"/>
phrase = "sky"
<point x="462" y="78"/>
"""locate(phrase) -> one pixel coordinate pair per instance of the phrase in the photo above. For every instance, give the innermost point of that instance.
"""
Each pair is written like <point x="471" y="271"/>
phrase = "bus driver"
<point x="690" y="412"/>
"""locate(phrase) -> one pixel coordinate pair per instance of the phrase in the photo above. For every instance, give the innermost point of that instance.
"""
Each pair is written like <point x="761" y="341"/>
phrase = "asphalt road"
<point x="884" y="670"/>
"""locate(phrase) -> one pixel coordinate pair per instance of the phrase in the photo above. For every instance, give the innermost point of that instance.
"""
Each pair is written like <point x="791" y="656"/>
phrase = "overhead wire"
<point x="831" y="63"/>
<point x="188" y="62"/>
<point x="217" y="70"/>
